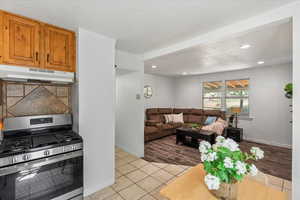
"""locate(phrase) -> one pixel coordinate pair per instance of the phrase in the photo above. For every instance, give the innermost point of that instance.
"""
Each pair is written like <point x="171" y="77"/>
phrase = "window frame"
<point x="237" y="97"/>
<point x="221" y="97"/>
<point x="224" y="96"/>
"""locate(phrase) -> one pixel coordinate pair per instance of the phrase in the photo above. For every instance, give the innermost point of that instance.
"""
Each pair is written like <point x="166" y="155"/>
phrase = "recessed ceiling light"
<point x="154" y="66"/>
<point x="184" y="73"/>
<point x="260" y="62"/>
<point x="245" y="46"/>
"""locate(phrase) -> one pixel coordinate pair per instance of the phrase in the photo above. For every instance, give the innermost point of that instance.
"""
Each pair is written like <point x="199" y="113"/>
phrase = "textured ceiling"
<point x="142" y="25"/>
<point x="271" y="44"/>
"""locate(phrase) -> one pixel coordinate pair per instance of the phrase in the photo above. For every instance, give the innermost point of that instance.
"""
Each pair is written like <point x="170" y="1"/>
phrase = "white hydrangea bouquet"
<point x="226" y="164"/>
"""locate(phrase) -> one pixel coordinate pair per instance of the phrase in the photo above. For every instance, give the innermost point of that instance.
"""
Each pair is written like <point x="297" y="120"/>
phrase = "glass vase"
<point x="227" y="191"/>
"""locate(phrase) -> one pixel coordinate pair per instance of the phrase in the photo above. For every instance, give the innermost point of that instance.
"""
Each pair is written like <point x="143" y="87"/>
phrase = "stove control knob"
<point x="47" y="153"/>
<point x="25" y="157"/>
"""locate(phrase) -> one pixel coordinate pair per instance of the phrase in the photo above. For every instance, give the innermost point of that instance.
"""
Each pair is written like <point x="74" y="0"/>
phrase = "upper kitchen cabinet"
<point x="59" y="49"/>
<point x="30" y="43"/>
<point x="1" y="36"/>
<point x="21" y="41"/>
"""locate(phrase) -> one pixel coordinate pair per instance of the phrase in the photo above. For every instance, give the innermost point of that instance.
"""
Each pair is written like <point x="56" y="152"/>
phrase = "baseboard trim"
<point x="88" y="191"/>
<point x="128" y="150"/>
<point x="268" y="143"/>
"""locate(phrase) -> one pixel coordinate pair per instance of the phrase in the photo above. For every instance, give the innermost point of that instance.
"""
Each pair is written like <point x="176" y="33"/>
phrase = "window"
<point x="237" y="95"/>
<point x="212" y="95"/>
<point x="226" y="95"/>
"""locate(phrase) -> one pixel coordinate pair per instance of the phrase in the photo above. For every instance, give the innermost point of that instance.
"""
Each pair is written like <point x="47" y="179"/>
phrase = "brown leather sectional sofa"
<point x="155" y="126"/>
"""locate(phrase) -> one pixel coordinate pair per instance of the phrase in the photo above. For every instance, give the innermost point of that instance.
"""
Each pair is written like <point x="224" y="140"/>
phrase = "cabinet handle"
<point x="48" y="58"/>
<point x="37" y="56"/>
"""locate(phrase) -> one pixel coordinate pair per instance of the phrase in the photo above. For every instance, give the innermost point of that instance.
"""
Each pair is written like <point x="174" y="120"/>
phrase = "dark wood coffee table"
<point x="182" y="135"/>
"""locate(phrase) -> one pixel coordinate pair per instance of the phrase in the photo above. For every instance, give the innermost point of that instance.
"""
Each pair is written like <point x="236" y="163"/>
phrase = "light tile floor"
<point x="137" y="179"/>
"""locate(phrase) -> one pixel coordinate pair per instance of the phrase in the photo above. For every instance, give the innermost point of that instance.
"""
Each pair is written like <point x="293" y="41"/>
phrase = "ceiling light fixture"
<point x="154" y="66"/>
<point x="245" y="46"/>
<point x="184" y="73"/>
<point x="260" y="62"/>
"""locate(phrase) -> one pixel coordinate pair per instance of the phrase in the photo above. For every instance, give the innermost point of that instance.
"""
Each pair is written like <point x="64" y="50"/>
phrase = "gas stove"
<point x="41" y="149"/>
<point x="27" y="142"/>
<point x="29" y="138"/>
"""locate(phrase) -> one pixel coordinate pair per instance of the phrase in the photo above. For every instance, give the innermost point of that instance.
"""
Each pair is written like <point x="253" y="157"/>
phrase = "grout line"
<point x="148" y="175"/>
<point x="130" y="186"/>
<point x="147" y="193"/>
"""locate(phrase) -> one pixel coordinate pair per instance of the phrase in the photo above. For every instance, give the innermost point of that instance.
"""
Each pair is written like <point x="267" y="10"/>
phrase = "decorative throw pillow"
<point x="209" y="120"/>
<point x="168" y="118"/>
<point x="225" y="123"/>
<point x="178" y="118"/>
<point x="216" y="127"/>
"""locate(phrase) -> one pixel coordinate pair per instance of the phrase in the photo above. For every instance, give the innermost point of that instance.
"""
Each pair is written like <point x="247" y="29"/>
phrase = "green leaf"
<point x="289" y="88"/>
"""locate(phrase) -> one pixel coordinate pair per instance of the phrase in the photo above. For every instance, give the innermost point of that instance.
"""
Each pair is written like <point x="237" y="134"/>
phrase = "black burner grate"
<point x="43" y="140"/>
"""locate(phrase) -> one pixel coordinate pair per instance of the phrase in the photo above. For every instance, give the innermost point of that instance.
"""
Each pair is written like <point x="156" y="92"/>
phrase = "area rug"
<point x="277" y="161"/>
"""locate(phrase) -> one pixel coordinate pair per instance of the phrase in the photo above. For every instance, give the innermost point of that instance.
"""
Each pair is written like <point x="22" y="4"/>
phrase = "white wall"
<point x="96" y="87"/>
<point x="163" y="91"/>
<point x="129" y="107"/>
<point x="268" y="106"/>
<point x="296" y="102"/>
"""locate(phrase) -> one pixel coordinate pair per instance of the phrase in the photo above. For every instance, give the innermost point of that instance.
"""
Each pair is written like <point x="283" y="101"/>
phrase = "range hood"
<point x="15" y="73"/>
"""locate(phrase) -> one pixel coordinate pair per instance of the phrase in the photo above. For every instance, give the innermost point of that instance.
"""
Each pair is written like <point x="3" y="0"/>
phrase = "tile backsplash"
<point x="23" y="99"/>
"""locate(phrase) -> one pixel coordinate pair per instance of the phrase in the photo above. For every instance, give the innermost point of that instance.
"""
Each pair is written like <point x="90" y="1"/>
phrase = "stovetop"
<point x="29" y="141"/>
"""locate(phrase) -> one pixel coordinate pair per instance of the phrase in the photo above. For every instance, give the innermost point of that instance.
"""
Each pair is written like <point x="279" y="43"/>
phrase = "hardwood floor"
<point x="277" y="160"/>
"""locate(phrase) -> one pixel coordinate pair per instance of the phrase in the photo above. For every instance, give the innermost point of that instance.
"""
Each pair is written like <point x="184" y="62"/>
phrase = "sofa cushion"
<point x="151" y="122"/>
<point x="195" y="119"/>
<point x="211" y="112"/>
<point x="150" y="111"/>
<point x="165" y="110"/>
<point x="216" y="113"/>
<point x="150" y="129"/>
<point x="155" y="118"/>
<point x="177" y="125"/>
<point x="185" y="118"/>
<point x="181" y="110"/>
<point x="166" y="126"/>
<point x="197" y="112"/>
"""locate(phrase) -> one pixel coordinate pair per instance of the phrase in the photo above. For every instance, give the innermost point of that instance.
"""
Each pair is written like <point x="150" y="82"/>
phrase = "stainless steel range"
<point x="41" y="158"/>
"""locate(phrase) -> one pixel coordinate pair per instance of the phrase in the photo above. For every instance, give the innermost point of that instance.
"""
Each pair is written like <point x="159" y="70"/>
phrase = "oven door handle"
<point x="39" y="163"/>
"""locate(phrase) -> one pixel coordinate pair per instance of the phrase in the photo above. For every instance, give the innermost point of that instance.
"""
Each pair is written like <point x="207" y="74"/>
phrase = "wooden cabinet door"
<point x="1" y="36"/>
<point x="21" y="41"/>
<point x="59" y="49"/>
